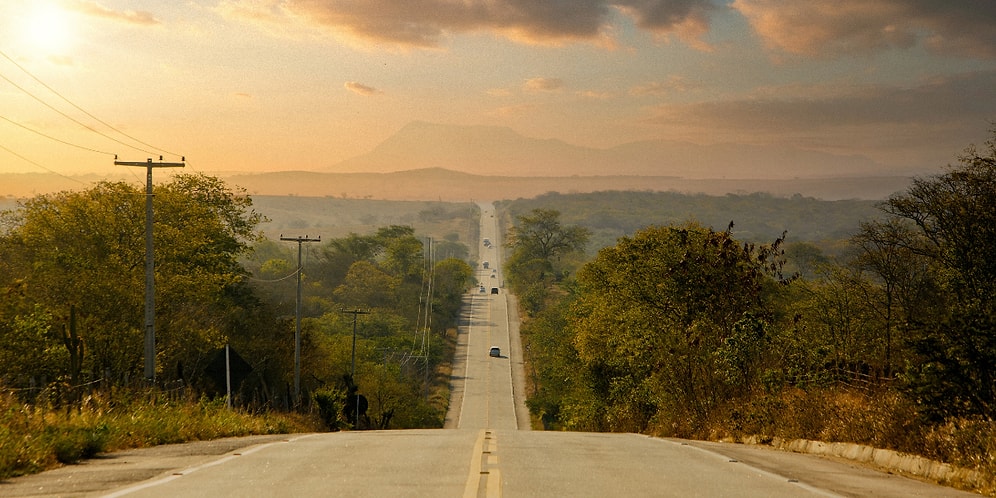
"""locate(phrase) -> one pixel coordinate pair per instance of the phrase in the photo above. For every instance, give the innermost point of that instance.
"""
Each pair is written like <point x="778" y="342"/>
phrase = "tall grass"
<point x="881" y="419"/>
<point x="34" y="438"/>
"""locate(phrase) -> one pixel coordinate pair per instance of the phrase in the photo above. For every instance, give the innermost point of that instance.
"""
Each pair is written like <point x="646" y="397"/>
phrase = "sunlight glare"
<point x="47" y="27"/>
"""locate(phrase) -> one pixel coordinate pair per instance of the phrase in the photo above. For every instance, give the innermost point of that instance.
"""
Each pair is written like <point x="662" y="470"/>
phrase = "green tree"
<point x="84" y="251"/>
<point x="654" y="315"/>
<point x="368" y="286"/>
<point x="539" y="242"/>
<point x="955" y="217"/>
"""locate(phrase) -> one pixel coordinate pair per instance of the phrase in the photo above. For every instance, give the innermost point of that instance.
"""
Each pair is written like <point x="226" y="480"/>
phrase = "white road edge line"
<point x="190" y="470"/>
<point x="758" y="470"/>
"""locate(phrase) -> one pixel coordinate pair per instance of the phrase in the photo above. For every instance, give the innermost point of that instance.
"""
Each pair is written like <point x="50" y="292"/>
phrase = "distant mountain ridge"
<point x="500" y="151"/>
<point x="437" y="184"/>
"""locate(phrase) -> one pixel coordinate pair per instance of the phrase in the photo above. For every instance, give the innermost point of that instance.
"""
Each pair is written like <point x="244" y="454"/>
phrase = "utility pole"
<point x="150" y="268"/>
<point x="297" y="314"/>
<point x="352" y="372"/>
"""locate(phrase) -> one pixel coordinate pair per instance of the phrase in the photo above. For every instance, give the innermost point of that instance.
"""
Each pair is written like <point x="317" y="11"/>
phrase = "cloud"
<point x="257" y="11"/>
<point x="426" y="23"/>
<point x="674" y="84"/>
<point x="595" y="95"/>
<point x="956" y="98"/>
<point x="361" y="89"/>
<point x="543" y="84"/>
<point x="830" y="29"/>
<point x="513" y="110"/>
<point x="932" y="115"/>
<point x="127" y="16"/>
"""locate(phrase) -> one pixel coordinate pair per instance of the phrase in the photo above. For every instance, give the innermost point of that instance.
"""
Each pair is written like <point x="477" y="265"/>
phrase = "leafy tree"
<point x="367" y="285"/>
<point x="451" y="277"/>
<point x="908" y="293"/>
<point x="955" y="217"/>
<point x="652" y="313"/>
<point x="542" y="236"/>
<point x="538" y="242"/>
<point x="837" y="309"/>
<point x="84" y="251"/>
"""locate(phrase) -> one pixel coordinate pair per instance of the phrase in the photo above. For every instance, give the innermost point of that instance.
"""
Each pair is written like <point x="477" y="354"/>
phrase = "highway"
<point x="484" y="450"/>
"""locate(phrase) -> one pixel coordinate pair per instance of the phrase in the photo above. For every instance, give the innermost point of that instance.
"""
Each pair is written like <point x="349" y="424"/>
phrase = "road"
<point x="484" y="450"/>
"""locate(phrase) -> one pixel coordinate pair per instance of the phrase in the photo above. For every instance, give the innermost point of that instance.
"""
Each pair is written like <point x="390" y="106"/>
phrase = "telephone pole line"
<point x="150" y="294"/>
<point x="297" y="314"/>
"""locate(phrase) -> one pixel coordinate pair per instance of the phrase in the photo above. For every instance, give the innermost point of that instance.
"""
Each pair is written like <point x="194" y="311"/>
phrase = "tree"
<point x="652" y="313"/>
<point x="955" y="217"/>
<point x="368" y="286"/>
<point x="888" y="249"/>
<point x="541" y="235"/>
<point x="539" y="242"/>
<point x="83" y="252"/>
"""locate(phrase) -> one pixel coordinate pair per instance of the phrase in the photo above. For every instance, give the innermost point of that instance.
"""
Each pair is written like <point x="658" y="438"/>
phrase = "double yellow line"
<point x="484" y="476"/>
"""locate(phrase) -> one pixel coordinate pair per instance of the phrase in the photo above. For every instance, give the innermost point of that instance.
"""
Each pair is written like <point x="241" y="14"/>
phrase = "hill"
<point x="436" y="184"/>
<point x="444" y="185"/>
<point x="500" y="151"/>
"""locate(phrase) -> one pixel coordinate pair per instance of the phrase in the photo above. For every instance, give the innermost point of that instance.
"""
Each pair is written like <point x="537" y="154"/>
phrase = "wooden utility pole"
<point x="150" y="298"/>
<point x="297" y="315"/>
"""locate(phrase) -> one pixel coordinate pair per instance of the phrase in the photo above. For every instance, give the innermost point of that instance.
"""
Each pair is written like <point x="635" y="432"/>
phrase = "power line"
<point x="266" y="281"/>
<point x="29" y="161"/>
<point x="32" y="130"/>
<point x="84" y="111"/>
<point x="88" y="127"/>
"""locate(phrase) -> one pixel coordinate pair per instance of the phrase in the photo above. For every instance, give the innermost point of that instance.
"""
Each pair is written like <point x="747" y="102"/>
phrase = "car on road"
<point x="494" y="352"/>
<point x="494" y="290"/>
<point x="483" y="290"/>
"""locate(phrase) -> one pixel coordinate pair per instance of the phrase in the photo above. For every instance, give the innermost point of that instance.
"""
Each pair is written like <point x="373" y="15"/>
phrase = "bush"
<point x="36" y="438"/>
<point x="72" y="444"/>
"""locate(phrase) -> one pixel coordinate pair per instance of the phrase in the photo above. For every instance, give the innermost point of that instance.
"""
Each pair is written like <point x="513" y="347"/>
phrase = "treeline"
<point x="72" y="305"/>
<point x="681" y="329"/>
<point x="760" y="217"/>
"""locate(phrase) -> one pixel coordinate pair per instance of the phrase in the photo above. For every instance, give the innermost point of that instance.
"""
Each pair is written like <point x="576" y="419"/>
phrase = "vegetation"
<point x="72" y="322"/>
<point x="682" y="330"/>
<point x="759" y="217"/>
<point x="34" y="437"/>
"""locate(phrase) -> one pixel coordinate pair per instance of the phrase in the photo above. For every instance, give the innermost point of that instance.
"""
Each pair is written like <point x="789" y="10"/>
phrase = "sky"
<point x="271" y="85"/>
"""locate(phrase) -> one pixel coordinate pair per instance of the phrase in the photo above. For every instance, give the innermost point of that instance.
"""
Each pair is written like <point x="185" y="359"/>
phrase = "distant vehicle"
<point x="494" y="352"/>
<point x="485" y="265"/>
<point x="487" y="242"/>
<point x="483" y="290"/>
<point x="494" y="290"/>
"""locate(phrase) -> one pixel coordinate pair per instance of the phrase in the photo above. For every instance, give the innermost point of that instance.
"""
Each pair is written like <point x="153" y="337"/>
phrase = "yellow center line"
<point x="484" y="468"/>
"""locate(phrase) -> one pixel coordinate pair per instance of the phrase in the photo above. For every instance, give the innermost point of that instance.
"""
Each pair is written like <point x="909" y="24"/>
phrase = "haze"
<point x="891" y="86"/>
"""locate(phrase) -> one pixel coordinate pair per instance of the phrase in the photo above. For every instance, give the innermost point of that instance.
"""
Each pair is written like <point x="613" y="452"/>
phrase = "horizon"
<point x="265" y="85"/>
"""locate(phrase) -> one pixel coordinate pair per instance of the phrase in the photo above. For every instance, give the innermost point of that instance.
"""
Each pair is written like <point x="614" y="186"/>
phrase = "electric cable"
<point x="32" y="130"/>
<point x="88" y="127"/>
<point x="29" y="161"/>
<point x="84" y="111"/>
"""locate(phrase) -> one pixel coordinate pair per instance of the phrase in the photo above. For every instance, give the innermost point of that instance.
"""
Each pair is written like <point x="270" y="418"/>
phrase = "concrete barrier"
<point x="894" y="461"/>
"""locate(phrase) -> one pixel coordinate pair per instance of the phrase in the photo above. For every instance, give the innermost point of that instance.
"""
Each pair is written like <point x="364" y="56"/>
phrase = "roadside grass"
<point x="34" y="438"/>
<point x="882" y="419"/>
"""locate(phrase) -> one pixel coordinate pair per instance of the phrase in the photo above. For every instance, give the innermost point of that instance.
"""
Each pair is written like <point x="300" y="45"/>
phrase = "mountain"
<point x="436" y="184"/>
<point x="500" y="151"/>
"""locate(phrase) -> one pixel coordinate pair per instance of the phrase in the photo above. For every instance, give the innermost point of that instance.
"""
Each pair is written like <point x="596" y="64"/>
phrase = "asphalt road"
<point x="485" y="449"/>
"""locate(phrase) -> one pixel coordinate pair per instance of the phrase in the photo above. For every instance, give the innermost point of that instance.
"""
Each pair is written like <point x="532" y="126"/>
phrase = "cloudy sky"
<point x="254" y="85"/>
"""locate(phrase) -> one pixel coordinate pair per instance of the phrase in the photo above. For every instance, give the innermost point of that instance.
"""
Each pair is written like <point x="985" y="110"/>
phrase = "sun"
<point x="48" y="28"/>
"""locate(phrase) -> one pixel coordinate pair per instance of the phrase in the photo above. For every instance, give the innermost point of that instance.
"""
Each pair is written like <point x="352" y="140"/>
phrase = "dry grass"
<point x="877" y="419"/>
<point x="35" y="438"/>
